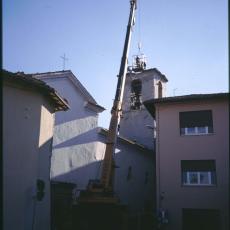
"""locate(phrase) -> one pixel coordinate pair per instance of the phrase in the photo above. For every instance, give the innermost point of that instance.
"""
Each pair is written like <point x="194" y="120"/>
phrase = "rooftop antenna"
<point x="64" y="60"/>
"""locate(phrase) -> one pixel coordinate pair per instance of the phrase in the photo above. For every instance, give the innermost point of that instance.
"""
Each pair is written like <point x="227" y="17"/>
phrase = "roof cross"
<point x="64" y="60"/>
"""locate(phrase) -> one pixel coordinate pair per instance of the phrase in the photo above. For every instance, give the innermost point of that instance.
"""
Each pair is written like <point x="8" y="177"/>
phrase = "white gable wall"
<point x="75" y="136"/>
<point x="76" y="100"/>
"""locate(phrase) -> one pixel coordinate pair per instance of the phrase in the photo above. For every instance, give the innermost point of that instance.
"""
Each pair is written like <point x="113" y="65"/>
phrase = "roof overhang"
<point x="28" y="81"/>
<point x="151" y="104"/>
<point x="95" y="107"/>
<point x="68" y="74"/>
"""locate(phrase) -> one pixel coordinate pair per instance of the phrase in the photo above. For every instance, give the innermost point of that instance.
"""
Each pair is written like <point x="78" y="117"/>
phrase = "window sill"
<point x="197" y="134"/>
<point x="198" y="185"/>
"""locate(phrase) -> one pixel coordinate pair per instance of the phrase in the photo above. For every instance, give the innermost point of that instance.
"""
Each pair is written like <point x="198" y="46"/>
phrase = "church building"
<point x="79" y="144"/>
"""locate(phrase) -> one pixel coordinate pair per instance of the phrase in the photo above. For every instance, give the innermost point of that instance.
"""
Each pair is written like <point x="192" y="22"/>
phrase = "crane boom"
<point x="101" y="191"/>
<point x="97" y="207"/>
<point x="107" y="171"/>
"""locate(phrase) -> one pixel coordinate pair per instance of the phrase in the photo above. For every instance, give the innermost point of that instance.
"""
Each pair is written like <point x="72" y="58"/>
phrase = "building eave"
<point x="68" y="74"/>
<point x="95" y="107"/>
<point x="27" y="80"/>
<point x="152" y="103"/>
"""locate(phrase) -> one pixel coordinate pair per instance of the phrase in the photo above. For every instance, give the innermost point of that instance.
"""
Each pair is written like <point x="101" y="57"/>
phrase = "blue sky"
<point x="187" y="40"/>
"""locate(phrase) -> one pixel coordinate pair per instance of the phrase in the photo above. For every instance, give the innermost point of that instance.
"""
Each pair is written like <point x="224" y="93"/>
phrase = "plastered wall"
<point x="28" y="130"/>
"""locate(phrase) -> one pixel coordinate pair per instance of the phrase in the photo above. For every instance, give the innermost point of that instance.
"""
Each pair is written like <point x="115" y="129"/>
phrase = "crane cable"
<point x="139" y="27"/>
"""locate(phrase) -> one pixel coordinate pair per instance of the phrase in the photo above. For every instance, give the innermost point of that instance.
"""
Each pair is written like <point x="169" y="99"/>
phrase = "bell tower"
<point x="141" y="84"/>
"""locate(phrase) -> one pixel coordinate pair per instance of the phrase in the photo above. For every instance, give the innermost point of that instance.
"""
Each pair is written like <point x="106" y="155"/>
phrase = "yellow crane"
<point x="102" y="190"/>
<point x="97" y="207"/>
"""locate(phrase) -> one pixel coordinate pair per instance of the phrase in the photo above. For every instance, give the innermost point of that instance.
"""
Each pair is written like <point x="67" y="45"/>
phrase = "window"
<point x="196" y="122"/>
<point x="159" y="90"/>
<point x="135" y="97"/>
<point x="198" y="172"/>
<point x="197" y="178"/>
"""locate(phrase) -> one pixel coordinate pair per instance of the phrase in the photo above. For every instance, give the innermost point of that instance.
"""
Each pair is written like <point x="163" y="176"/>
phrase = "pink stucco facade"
<point x="28" y="120"/>
<point x="172" y="147"/>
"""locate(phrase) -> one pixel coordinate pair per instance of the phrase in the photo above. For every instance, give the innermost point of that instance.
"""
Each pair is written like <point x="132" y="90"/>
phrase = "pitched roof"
<point x="28" y="81"/>
<point x="68" y="74"/>
<point x="104" y="132"/>
<point x="150" y="104"/>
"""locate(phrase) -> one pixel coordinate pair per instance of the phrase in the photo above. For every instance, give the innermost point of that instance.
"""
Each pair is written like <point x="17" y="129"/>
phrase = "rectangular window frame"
<point x="195" y="127"/>
<point x="188" y="181"/>
<point x="196" y="131"/>
<point x="192" y="171"/>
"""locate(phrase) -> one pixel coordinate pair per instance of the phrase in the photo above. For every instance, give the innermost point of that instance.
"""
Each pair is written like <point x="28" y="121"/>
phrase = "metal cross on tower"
<point x="64" y="60"/>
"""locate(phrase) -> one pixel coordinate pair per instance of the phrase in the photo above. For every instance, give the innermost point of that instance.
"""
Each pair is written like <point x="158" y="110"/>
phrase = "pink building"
<point x="29" y="106"/>
<point x="192" y="161"/>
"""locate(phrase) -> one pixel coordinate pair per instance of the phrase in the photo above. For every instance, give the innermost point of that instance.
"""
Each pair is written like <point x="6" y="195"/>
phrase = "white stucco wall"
<point x="75" y="137"/>
<point x="134" y="191"/>
<point x="137" y="125"/>
<point x="27" y="136"/>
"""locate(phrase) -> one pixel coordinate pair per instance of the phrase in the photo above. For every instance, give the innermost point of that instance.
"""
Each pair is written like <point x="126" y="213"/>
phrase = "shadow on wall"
<point x="131" y="193"/>
<point x="133" y="190"/>
<point x="74" y="157"/>
<point x="83" y="138"/>
<point x="73" y="114"/>
<point x="81" y="175"/>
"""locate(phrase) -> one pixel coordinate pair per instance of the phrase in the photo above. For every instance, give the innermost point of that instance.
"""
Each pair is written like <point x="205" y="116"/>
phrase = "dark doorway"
<point x="61" y="205"/>
<point x="201" y="219"/>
